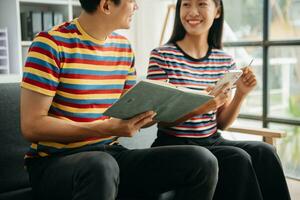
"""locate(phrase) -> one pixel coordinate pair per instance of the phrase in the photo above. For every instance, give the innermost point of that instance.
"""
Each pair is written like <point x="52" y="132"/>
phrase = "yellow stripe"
<point x="95" y="67"/>
<point x="41" y="74"/>
<point x="131" y="70"/>
<point x="73" y="145"/>
<point x="78" y="110"/>
<point x="81" y="37"/>
<point x="89" y="96"/>
<point x="43" y="154"/>
<point x="131" y="78"/>
<point x="96" y="52"/>
<point x="43" y="57"/>
<point x="38" y="89"/>
<point x="33" y="146"/>
<point x="92" y="82"/>
<point x="46" y="41"/>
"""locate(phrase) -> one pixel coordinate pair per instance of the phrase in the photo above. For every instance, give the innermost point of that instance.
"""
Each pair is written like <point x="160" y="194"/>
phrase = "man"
<point x="72" y="74"/>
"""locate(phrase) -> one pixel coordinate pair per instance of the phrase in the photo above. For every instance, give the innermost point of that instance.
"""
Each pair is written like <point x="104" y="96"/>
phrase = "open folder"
<point x="168" y="101"/>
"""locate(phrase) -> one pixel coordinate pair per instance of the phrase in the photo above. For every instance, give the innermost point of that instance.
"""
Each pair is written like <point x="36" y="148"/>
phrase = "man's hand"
<point x="128" y="128"/>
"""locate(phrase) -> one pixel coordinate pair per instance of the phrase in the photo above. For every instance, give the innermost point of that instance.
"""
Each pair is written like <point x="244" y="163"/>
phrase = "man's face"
<point x="123" y="13"/>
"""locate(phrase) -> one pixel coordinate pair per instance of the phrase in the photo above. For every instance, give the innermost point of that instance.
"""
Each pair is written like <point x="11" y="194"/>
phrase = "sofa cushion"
<point x="21" y="194"/>
<point x="12" y="144"/>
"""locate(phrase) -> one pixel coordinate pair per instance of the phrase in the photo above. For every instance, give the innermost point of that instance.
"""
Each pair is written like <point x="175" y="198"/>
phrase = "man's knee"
<point x="98" y="165"/>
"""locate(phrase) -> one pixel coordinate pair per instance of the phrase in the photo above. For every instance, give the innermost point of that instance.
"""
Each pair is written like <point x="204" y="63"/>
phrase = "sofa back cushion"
<point x="12" y="144"/>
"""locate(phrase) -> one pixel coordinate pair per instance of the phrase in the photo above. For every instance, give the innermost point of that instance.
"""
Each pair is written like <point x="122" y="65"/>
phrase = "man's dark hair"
<point x="90" y="6"/>
<point x="215" y="32"/>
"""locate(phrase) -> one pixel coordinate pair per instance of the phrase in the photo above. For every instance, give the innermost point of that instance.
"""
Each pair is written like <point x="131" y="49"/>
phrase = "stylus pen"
<point x="234" y="86"/>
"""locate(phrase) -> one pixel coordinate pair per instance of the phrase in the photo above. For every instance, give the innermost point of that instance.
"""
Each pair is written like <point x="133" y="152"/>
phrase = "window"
<point x="269" y="32"/>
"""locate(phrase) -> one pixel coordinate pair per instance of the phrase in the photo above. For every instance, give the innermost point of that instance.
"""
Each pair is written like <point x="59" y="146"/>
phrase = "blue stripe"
<point x="186" y="132"/>
<point x="175" y="80"/>
<point x="92" y="72"/>
<point x="85" y="101"/>
<point x="90" y="43"/>
<point x="97" y="58"/>
<point x="42" y="63"/>
<point x="130" y="82"/>
<point x="46" y="47"/>
<point x="194" y="75"/>
<point x="78" y="115"/>
<point x="91" y="87"/>
<point x="40" y="79"/>
<point x="53" y="150"/>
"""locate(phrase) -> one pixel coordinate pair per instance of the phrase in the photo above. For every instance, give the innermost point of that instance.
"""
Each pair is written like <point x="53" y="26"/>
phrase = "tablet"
<point x="230" y="77"/>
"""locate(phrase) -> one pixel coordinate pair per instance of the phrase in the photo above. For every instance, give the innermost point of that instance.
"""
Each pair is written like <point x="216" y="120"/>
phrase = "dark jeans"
<point x="101" y="172"/>
<point x="248" y="170"/>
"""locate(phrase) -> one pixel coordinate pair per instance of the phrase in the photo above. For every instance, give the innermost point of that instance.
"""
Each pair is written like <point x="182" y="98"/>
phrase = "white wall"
<point x="146" y="30"/>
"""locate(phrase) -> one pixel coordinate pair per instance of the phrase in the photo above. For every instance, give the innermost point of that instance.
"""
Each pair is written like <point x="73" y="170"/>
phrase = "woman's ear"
<point x="218" y="14"/>
<point x="105" y="6"/>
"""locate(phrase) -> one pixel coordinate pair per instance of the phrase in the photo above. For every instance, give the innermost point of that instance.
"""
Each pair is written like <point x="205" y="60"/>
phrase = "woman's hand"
<point x="221" y="97"/>
<point x="246" y="82"/>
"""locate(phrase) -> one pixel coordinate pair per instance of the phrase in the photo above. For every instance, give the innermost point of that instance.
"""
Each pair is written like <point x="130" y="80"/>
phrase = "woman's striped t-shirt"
<point x="84" y="76"/>
<point x="170" y="63"/>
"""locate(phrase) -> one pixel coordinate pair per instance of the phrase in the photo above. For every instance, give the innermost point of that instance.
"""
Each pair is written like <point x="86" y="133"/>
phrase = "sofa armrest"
<point x="268" y="135"/>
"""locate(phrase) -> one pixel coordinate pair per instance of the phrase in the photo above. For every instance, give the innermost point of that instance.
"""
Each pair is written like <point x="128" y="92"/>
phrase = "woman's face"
<point x="197" y="16"/>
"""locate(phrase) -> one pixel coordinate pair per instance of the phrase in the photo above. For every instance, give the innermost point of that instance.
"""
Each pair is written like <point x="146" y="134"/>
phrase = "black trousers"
<point x="248" y="170"/>
<point x="102" y="172"/>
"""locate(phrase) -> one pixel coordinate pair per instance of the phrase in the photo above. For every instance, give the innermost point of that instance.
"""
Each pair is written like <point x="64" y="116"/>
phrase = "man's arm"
<point x="37" y="125"/>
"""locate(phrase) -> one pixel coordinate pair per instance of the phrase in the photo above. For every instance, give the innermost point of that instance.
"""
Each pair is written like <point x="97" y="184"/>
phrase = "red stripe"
<point x="72" y="31"/>
<point x="189" y="127"/>
<point x="174" y="133"/>
<point x="42" y="68"/>
<point x="94" y="47"/>
<point x="171" y="75"/>
<point x="94" y="77"/>
<point x="95" y="62"/>
<point x="84" y="46"/>
<point x="39" y="84"/>
<point x="45" y="52"/>
<point x="127" y="87"/>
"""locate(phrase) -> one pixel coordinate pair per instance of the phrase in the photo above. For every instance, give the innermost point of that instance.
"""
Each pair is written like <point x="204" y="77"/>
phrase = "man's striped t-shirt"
<point x="170" y="63"/>
<point x="84" y="76"/>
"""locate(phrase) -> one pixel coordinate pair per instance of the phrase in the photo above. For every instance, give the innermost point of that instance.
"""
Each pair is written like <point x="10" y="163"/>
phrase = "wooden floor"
<point x="294" y="187"/>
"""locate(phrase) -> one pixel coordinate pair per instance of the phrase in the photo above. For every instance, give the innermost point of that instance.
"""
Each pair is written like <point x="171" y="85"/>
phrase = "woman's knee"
<point x="202" y="160"/>
<point x="263" y="148"/>
<point x="239" y="157"/>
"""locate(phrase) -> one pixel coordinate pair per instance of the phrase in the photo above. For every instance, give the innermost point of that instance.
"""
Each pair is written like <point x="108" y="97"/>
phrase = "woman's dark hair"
<point x="90" y="6"/>
<point x="215" y="32"/>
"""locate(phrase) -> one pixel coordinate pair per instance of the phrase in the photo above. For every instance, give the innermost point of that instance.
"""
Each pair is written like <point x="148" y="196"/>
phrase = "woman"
<point x="194" y="58"/>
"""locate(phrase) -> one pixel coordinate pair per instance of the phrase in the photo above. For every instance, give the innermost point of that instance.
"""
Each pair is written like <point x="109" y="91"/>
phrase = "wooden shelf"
<point x="17" y="49"/>
<point x="26" y="43"/>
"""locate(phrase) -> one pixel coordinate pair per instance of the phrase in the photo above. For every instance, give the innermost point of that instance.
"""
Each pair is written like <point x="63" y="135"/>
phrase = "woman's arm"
<point x="221" y="97"/>
<point x="229" y="112"/>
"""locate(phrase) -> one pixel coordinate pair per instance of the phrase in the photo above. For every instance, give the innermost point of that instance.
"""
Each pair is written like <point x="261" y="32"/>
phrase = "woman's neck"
<point x="194" y="46"/>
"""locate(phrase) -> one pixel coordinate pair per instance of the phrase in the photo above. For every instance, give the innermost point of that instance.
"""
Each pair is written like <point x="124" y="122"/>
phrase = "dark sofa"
<point x="14" y="181"/>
